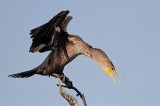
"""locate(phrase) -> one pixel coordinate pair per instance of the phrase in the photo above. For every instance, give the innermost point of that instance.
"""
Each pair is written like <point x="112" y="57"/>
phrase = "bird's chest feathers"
<point x="55" y="62"/>
<point x="71" y="51"/>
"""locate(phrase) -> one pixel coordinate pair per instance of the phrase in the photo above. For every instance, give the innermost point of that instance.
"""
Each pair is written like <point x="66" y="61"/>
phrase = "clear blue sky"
<point x="127" y="30"/>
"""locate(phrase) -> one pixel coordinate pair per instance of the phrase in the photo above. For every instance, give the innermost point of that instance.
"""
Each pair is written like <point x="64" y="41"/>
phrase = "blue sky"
<point x="127" y="30"/>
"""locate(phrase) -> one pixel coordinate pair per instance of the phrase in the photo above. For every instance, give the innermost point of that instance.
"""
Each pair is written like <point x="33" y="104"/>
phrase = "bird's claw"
<point x="71" y="87"/>
<point x="64" y="79"/>
<point x="68" y="83"/>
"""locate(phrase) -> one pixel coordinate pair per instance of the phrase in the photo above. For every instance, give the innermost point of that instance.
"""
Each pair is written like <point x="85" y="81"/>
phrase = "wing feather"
<point x="46" y="37"/>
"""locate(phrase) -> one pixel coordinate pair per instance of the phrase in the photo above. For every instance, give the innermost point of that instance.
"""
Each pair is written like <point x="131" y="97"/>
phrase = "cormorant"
<point x="64" y="47"/>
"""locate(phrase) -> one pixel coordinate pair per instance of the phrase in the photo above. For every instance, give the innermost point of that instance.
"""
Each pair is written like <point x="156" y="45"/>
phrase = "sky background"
<point x="127" y="30"/>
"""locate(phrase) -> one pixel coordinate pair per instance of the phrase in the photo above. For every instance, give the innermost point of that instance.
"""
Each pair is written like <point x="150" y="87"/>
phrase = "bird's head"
<point x="104" y="62"/>
<point x="110" y="70"/>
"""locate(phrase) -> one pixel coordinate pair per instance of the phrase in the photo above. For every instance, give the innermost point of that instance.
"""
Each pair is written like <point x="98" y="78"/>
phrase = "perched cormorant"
<point x="64" y="47"/>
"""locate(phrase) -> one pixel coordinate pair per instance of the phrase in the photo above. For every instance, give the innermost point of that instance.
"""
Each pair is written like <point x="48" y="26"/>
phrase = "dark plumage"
<point x="25" y="74"/>
<point x="50" y="35"/>
<point x="64" y="47"/>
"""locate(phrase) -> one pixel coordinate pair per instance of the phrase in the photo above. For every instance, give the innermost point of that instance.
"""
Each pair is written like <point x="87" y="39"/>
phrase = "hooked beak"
<point x="110" y="73"/>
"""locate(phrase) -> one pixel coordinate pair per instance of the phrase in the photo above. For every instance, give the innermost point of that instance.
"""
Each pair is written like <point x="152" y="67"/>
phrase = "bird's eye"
<point x="113" y="68"/>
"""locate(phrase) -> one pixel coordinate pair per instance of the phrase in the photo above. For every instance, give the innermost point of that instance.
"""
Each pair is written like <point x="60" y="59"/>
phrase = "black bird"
<point x="64" y="47"/>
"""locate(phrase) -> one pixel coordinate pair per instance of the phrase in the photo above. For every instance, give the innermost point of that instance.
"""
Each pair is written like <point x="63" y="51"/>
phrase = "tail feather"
<point x="25" y="74"/>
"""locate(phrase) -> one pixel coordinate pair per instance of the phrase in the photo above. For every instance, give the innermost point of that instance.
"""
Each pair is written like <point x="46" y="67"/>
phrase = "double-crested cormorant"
<point x="64" y="47"/>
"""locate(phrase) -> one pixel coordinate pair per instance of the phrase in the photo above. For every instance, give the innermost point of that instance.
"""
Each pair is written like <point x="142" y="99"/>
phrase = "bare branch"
<point x="69" y="85"/>
<point x="71" y="99"/>
<point x="84" y="100"/>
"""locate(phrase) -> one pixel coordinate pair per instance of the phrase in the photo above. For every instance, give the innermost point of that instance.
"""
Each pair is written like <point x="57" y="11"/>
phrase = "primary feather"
<point x="50" y="35"/>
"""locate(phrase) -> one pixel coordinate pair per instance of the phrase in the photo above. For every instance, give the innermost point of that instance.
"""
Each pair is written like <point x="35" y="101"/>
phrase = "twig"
<point x="84" y="100"/>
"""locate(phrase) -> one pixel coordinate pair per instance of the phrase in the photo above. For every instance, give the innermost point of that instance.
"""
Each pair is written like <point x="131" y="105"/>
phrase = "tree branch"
<point x="71" y="99"/>
<point x="69" y="85"/>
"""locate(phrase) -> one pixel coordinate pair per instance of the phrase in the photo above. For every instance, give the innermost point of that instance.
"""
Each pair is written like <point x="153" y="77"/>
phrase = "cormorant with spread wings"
<point x="64" y="47"/>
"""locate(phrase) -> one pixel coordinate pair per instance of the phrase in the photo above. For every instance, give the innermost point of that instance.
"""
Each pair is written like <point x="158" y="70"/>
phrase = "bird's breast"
<point x="71" y="52"/>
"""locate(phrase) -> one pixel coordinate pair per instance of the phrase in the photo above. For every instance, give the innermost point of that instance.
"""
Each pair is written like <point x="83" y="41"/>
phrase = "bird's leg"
<point x="64" y="79"/>
<point x="68" y="83"/>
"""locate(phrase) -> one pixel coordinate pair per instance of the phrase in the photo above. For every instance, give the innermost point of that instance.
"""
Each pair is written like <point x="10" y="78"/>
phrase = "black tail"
<point x="25" y="74"/>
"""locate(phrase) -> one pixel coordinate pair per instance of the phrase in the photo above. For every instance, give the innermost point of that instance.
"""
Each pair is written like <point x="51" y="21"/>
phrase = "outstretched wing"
<point x="50" y="35"/>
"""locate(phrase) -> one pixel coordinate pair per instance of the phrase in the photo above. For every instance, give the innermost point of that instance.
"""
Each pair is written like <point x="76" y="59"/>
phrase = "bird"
<point x="64" y="47"/>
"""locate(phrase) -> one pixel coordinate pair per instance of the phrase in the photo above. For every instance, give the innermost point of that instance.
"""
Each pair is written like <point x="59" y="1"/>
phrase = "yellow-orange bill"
<point x="115" y="73"/>
<point x="120" y="77"/>
<point x="108" y="71"/>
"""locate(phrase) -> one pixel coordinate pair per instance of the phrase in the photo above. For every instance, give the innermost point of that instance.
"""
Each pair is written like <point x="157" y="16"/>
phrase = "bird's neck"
<point x="98" y="56"/>
<point x="92" y="53"/>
